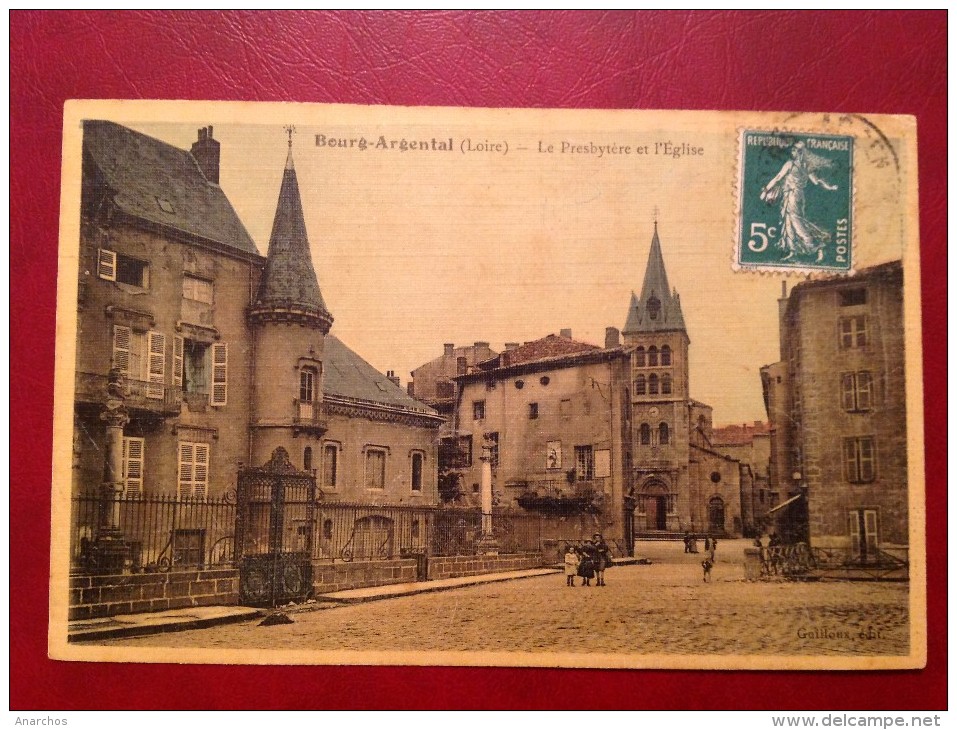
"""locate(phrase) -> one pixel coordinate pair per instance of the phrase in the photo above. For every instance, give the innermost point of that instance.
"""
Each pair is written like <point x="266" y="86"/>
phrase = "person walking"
<point x="571" y="565"/>
<point x="602" y="557"/>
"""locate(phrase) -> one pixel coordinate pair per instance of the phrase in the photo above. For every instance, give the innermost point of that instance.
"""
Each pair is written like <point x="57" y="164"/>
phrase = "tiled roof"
<point x="290" y="279"/>
<point x="738" y="435"/>
<point x="547" y="347"/>
<point x="161" y="184"/>
<point x="347" y="375"/>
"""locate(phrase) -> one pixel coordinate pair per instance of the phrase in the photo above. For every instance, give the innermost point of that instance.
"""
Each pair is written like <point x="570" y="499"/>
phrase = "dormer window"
<point x="654" y="307"/>
<point x="113" y="266"/>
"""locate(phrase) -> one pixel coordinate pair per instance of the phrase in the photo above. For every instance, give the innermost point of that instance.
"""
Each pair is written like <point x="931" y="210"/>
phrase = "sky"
<point x="502" y="240"/>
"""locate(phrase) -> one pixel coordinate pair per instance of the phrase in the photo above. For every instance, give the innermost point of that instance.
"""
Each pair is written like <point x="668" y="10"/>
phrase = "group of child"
<point x="587" y="560"/>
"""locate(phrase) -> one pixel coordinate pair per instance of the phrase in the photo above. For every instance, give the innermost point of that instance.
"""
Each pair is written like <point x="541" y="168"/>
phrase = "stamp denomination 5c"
<point x="795" y="208"/>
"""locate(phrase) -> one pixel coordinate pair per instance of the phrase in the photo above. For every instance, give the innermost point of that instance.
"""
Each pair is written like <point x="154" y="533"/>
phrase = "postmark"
<point x="796" y="201"/>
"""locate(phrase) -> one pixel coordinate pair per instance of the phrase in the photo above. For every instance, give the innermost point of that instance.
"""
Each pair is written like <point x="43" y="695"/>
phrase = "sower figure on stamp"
<point x="798" y="234"/>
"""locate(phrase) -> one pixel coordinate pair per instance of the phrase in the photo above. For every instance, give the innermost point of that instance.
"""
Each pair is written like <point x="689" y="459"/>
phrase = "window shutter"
<point x="177" y="361"/>
<point x="847" y="391"/>
<point x="106" y="264"/>
<point x="866" y="455"/>
<point x="219" y="375"/>
<point x="200" y="470"/>
<point x="850" y="459"/>
<point x="870" y="529"/>
<point x="185" y="482"/>
<point x="853" y="527"/>
<point x="122" y="338"/>
<point x="864" y="390"/>
<point x="156" y="348"/>
<point x="133" y="466"/>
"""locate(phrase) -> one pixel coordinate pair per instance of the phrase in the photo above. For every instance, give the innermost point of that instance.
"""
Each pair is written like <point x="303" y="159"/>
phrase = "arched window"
<point x="663" y="433"/>
<point x="640" y="387"/>
<point x="716" y="514"/>
<point x="654" y="307"/>
<point x="666" y="384"/>
<point x="652" y="356"/>
<point x="665" y="355"/>
<point x="652" y="384"/>
<point x="416" y="472"/>
<point x="640" y="357"/>
<point x="307" y="458"/>
<point x="644" y="433"/>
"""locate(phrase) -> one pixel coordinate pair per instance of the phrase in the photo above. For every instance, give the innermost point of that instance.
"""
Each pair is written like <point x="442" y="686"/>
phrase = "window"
<point x="141" y="356"/>
<point x="853" y="332"/>
<point x="194" y="365"/>
<point x="641" y="386"/>
<point x="652" y="356"/>
<point x="198" y="290"/>
<point x="330" y="465"/>
<point x="856" y="391"/>
<point x="492" y="440"/>
<point x="307" y="458"/>
<point x="375" y="469"/>
<point x="565" y="408"/>
<point x="644" y="434"/>
<point x="188" y="547"/>
<point x="663" y="433"/>
<point x="193" y="470"/>
<point x="112" y="266"/>
<point x="654" y="307"/>
<point x="666" y="384"/>
<point x="653" y="384"/>
<point x="463" y="452"/>
<point x="475" y="488"/>
<point x="417" y="460"/>
<point x="307" y="385"/>
<point x="327" y="529"/>
<point x="859" y="459"/>
<point x="478" y="410"/>
<point x="533" y="410"/>
<point x="640" y="357"/>
<point x="444" y="389"/>
<point x="665" y="355"/>
<point x="584" y="463"/>
<point x="852" y="297"/>
<point x="132" y="466"/>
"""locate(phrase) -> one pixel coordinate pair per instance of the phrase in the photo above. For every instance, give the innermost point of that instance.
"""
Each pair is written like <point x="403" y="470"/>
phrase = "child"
<point x="571" y="565"/>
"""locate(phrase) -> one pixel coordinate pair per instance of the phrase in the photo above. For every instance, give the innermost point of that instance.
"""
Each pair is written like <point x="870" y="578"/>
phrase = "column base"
<point x="488" y="545"/>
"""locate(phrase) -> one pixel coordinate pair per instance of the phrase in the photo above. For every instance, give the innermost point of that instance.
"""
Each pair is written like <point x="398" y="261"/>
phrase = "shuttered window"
<point x="132" y="466"/>
<point x="193" y="470"/>
<point x="177" y="361"/>
<point x="156" y="367"/>
<point x="122" y="344"/>
<point x="220" y="374"/>
<point x="106" y="264"/>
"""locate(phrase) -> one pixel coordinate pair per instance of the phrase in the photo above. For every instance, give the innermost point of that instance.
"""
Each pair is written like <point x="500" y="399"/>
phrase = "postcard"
<point x="494" y="387"/>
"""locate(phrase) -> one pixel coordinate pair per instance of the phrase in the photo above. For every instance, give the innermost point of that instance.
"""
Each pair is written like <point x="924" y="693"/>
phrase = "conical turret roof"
<point x="659" y="308"/>
<point x="289" y="283"/>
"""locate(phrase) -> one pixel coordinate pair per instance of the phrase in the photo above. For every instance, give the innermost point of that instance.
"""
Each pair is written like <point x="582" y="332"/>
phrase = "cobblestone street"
<point x="662" y="608"/>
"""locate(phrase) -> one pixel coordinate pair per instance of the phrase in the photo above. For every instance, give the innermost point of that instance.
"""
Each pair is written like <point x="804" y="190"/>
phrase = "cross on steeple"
<point x="289" y="128"/>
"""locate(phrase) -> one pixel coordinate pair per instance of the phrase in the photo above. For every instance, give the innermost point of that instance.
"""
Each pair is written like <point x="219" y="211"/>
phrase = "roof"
<point x="667" y="315"/>
<point x="347" y="375"/>
<point x="739" y="435"/>
<point x="290" y="279"/>
<point x="141" y="171"/>
<point x="547" y="347"/>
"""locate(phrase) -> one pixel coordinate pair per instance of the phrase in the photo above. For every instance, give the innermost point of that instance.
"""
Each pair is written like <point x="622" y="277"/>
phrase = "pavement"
<point x="201" y="617"/>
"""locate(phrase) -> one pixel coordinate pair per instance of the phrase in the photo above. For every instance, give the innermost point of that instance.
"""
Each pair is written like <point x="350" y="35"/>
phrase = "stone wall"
<point x="460" y="565"/>
<point x="332" y="577"/>
<point x="110" y="595"/>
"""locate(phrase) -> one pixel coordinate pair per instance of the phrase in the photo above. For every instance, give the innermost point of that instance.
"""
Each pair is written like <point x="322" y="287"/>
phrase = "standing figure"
<point x="786" y="189"/>
<point x="602" y="557"/>
<point x="687" y="541"/>
<point x="586" y="566"/>
<point x="571" y="565"/>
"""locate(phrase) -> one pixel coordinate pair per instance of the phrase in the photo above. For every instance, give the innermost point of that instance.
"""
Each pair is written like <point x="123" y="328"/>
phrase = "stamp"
<point x="795" y="207"/>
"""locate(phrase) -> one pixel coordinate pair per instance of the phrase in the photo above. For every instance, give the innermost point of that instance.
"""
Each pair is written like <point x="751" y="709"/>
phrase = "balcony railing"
<point x="139" y="394"/>
<point x="561" y="494"/>
<point x="309" y="415"/>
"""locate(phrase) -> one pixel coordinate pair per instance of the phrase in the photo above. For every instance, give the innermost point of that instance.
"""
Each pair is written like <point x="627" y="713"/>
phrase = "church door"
<point x="661" y="513"/>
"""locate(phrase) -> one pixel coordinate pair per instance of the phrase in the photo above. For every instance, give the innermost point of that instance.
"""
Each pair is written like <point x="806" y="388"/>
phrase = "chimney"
<point x="481" y="345"/>
<point x="511" y="346"/>
<point x="449" y="348"/>
<point x="409" y="389"/>
<point x="206" y="153"/>
<point x="393" y="377"/>
<point x="612" y="338"/>
<point x="566" y="333"/>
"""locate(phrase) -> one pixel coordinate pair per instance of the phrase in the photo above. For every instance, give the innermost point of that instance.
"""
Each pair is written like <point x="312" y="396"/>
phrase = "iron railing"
<point x="160" y="532"/>
<point x="139" y="394"/>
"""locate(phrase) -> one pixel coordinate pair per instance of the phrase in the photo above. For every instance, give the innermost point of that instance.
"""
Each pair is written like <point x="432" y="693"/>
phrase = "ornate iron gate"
<point x="275" y="528"/>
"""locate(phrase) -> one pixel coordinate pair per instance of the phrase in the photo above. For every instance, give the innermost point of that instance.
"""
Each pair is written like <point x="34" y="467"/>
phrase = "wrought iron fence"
<point x="166" y="533"/>
<point x="160" y="532"/>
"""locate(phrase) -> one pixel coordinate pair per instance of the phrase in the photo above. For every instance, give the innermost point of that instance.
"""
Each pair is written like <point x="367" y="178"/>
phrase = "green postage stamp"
<point x="795" y="201"/>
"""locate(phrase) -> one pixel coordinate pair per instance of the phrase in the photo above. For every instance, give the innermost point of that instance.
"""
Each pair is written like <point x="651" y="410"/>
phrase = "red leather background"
<point x="865" y="62"/>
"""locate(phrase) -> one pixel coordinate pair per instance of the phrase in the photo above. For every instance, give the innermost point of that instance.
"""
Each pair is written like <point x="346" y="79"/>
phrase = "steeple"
<point x="289" y="289"/>
<point x="659" y="308"/>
